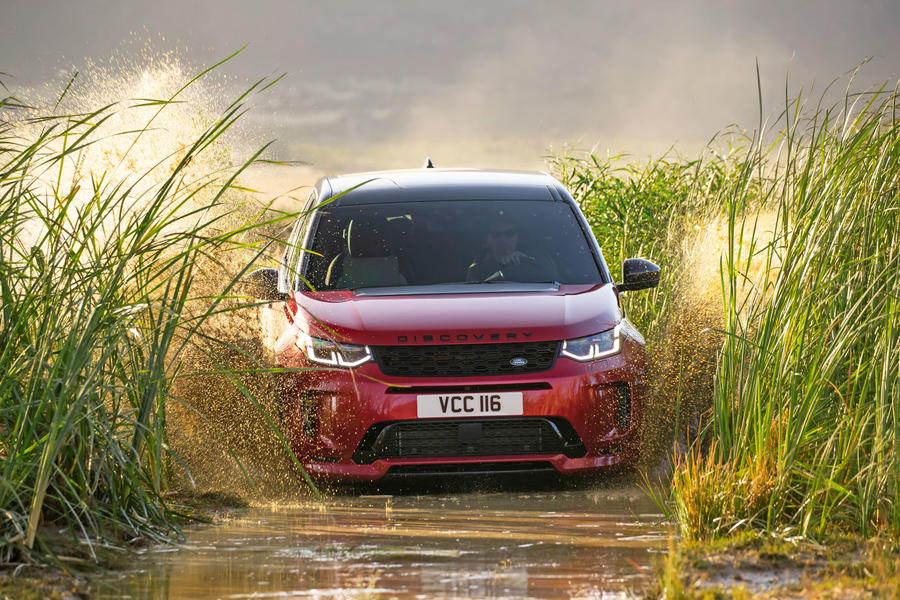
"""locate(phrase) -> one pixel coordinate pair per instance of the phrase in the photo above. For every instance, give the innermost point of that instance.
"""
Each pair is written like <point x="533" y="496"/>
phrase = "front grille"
<point x="465" y="360"/>
<point x="469" y="437"/>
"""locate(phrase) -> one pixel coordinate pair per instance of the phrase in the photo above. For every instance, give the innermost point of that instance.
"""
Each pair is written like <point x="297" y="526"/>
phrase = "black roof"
<point x="441" y="184"/>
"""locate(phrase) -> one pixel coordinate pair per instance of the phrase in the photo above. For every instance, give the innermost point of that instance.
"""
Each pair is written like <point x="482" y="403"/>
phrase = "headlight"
<point x="334" y="354"/>
<point x="594" y="346"/>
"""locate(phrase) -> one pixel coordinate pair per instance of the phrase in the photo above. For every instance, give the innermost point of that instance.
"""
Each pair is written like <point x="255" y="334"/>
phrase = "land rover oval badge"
<point x="518" y="361"/>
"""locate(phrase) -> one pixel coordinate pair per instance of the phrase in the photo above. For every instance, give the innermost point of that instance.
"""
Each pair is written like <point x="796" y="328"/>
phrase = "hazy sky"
<point x="477" y="82"/>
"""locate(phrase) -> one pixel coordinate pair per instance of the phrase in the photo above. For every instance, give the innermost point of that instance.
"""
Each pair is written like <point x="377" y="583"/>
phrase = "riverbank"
<point x="73" y="564"/>
<point x="751" y="566"/>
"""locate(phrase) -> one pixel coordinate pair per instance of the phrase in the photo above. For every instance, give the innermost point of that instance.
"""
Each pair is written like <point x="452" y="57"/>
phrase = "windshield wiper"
<point x="489" y="280"/>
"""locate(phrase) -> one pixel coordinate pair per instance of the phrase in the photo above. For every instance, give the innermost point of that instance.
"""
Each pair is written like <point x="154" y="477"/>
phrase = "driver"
<point x="502" y="260"/>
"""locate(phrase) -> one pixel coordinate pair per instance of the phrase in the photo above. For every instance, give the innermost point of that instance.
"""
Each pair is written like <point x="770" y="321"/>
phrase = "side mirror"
<point x="263" y="283"/>
<point x="638" y="274"/>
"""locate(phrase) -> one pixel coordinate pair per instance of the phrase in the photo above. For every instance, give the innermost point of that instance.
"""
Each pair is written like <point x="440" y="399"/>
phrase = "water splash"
<point x="684" y="360"/>
<point x="145" y="115"/>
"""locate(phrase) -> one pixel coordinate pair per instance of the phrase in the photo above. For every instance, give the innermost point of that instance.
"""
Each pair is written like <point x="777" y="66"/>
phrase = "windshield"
<point x="434" y="243"/>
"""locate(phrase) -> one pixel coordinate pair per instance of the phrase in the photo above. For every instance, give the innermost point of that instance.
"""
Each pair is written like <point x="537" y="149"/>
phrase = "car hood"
<point x="571" y="311"/>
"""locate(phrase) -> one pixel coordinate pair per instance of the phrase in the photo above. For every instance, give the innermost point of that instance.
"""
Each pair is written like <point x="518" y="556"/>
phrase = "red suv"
<point x="454" y="321"/>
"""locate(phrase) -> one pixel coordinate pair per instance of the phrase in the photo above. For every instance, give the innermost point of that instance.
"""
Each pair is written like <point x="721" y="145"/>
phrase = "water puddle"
<point x="590" y="543"/>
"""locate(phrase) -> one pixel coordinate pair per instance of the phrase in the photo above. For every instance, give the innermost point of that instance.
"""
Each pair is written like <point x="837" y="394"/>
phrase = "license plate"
<point x="469" y="405"/>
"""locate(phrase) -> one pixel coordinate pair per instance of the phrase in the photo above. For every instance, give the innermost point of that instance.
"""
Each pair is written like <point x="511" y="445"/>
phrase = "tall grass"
<point x="804" y="417"/>
<point x="796" y="350"/>
<point x="98" y="305"/>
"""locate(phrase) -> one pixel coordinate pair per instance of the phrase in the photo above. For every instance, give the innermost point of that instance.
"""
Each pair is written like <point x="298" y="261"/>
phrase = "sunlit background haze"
<point x="476" y="84"/>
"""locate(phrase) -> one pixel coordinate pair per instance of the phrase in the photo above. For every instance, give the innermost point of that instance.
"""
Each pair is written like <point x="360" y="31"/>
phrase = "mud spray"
<point x="683" y="360"/>
<point x="221" y="441"/>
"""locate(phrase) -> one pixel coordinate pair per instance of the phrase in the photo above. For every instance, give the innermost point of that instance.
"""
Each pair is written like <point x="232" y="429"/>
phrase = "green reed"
<point x="795" y="383"/>
<point x="97" y="307"/>
<point x="804" y="416"/>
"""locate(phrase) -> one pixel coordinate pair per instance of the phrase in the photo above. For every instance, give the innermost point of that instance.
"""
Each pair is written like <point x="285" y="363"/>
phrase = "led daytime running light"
<point x="595" y="350"/>
<point x="336" y="352"/>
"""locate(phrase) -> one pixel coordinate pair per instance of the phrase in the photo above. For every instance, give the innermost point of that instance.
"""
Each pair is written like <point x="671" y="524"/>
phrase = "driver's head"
<point x="502" y="238"/>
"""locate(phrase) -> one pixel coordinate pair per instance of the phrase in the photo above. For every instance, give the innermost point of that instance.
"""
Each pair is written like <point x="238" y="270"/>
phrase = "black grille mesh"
<point x="468" y="437"/>
<point x="465" y="360"/>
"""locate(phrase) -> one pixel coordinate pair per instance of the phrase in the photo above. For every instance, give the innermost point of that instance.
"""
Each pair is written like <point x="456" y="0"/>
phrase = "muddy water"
<point x="592" y="543"/>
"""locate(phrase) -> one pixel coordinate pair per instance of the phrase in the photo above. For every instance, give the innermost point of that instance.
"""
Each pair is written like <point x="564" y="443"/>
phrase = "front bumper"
<point x="330" y="411"/>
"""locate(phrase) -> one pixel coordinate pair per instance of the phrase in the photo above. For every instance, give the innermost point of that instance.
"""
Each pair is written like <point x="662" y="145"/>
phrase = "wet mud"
<point x="588" y="542"/>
